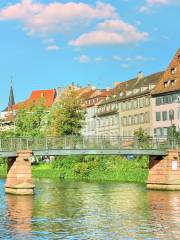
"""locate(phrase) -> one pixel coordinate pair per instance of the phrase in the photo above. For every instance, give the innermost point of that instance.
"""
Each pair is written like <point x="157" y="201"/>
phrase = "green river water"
<point x="83" y="210"/>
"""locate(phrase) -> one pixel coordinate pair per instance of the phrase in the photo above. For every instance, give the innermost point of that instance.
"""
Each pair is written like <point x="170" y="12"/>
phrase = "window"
<point x="164" y="131"/>
<point x="141" y="118"/>
<point x="147" y="101"/>
<point x="158" y="101"/>
<point x="124" y="121"/>
<point x="173" y="82"/>
<point x="158" y="116"/>
<point x="141" y="102"/>
<point x="130" y="120"/>
<point x="115" y="120"/>
<point x="158" y="131"/>
<point x="173" y="70"/>
<point x="123" y="106"/>
<point x="171" y="115"/>
<point x="164" y="116"/>
<point x="165" y="84"/>
<point x="146" y="117"/>
<point x="136" y="119"/>
<point x="135" y="103"/>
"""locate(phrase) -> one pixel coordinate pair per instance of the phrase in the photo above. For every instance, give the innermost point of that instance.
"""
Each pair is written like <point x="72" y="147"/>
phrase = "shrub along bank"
<point x="112" y="168"/>
<point x="94" y="168"/>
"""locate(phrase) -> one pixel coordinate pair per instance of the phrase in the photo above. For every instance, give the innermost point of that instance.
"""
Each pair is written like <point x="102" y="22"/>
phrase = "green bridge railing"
<point x="86" y="143"/>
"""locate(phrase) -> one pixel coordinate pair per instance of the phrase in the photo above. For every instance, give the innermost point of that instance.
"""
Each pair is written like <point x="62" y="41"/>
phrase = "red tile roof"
<point x="47" y="95"/>
<point x="170" y="81"/>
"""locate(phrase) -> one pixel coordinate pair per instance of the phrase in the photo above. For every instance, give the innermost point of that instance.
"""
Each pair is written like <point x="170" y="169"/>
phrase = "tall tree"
<point x="66" y="116"/>
<point x="29" y="120"/>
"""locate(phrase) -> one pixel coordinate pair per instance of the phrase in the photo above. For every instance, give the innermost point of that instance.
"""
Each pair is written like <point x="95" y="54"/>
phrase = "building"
<point x="136" y="104"/>
<point x="8" y="115"/>
<point x="128" y="108"/>
<point x="166" y="99"/>
<point x="91" y="119"/>
<point x="47" y="96"/>
<point x="107" y="116"/>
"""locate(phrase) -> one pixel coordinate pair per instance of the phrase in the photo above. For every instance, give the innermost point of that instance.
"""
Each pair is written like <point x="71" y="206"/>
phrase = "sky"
<point x="46" y="43"/>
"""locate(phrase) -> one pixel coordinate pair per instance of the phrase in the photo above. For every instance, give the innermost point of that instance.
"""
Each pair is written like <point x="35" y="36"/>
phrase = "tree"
<point x="173" y="135"/>
<point x="28" y="121"/>
<point x="143" y="139"/>
<point x="66" y="116"/>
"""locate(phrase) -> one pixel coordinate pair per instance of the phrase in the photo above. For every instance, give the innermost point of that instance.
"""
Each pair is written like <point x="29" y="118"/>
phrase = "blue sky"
<point x="45" y="44"/>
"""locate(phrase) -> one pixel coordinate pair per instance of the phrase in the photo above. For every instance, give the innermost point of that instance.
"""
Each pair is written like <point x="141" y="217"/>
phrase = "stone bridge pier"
<point x="19" y="177"/>
<point x="164" y="171"/>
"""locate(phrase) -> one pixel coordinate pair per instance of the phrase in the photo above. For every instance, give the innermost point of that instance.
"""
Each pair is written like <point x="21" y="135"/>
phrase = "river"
<point x="82" y="210"/>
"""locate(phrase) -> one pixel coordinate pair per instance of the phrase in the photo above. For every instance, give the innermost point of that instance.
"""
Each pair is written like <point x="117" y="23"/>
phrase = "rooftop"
<point x="170" y="81"/>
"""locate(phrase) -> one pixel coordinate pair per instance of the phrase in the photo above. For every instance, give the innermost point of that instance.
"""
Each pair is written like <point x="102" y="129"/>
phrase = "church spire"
<point x="11" y="96"/>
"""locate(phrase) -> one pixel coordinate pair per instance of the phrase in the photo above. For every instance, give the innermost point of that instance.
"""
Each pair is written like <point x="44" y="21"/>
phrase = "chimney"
<point x="116" y="84"/>
<point x="93" y="87"/>
<point x="59" y="92"/>
<point x="140" y="75"/>
<point x="108" y="88"/>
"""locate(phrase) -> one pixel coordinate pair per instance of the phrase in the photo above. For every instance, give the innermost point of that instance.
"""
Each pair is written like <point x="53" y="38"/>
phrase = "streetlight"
<point x="171" y="118"/>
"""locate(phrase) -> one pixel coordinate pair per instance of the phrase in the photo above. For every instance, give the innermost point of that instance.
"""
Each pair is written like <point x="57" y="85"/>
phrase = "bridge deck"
<point x="73" y="145"/>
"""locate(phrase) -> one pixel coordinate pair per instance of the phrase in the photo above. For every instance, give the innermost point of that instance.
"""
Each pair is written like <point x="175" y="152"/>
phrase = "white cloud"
<point x="49" y="41"/>
<point x="149" y="4"/>
<point x="53" y="48"/>
<point x="135" y="59"/>
<point x="111" y="32"/>
<point x="126" y="66"/>
<point x="99" y="59"/>
<point x="83" y="59"/>
<point x="53" y="17"/>
<point x="47" y="19"/>
<point x="117" y="58"/>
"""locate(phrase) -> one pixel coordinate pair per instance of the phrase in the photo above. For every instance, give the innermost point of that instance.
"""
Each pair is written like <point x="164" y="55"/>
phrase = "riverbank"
<point x="94" y="168"/>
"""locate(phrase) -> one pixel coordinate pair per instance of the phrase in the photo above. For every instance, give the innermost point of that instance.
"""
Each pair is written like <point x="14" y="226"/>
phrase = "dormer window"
<point x="173" y="70"/>
<point x="165" y="84"/>
<point x="128" y="93"/>
<point x="173" y="82"/>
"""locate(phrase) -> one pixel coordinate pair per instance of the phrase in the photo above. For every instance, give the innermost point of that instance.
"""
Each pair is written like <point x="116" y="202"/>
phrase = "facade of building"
<point x="91" y="103"/>
<point x="107" y="116"/>
<point x="166" y="99"/>
<point x="128" y="108"/>
<point x="136" y="104"/>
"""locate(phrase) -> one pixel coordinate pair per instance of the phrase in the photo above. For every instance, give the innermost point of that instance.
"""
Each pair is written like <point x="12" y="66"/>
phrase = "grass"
<point x="107" y="168"/>
<point x="3" y="171"/>
<point x="93" y="168"/>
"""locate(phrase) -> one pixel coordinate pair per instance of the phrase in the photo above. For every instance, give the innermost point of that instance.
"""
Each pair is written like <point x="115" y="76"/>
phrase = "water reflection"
<point x="19" y="215"/>
<point x="97" y="211"/>
<point x="164" y="209"/>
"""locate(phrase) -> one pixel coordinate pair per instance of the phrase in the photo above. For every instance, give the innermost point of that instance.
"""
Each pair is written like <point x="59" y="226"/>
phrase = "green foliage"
<point x="173" y="134"/>
<point x="93" y="167"/>
<point x="66" y="117"/>
<point x="7" y="134"/>
<point x="3" y="167"/>
<point x="143" y="139"/>
<point x="2" y="161"/>
<point x="29" y="121"/>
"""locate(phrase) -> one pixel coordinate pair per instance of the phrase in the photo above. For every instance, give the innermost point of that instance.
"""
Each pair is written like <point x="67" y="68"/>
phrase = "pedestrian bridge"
<point x="76" y="145"/>
<point x="164" y="156"/>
